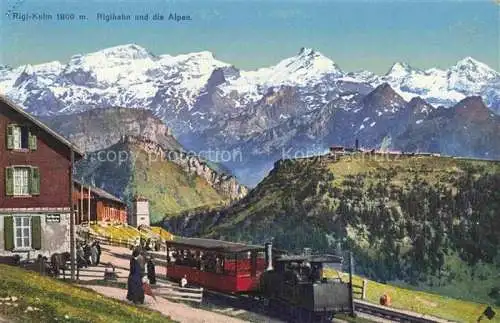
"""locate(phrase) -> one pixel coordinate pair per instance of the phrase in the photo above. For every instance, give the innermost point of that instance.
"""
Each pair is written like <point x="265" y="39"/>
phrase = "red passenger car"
<point x="217" y="265"/>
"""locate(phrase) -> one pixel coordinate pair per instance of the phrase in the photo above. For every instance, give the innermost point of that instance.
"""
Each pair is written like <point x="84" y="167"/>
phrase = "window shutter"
<point x="35" y="181"/>
<point x="36" y="232"/>
<point x="9" y="181"/>
<point x="8" y="232"/>
<point x="10" y="136"/>
<point x="32" y="141"/>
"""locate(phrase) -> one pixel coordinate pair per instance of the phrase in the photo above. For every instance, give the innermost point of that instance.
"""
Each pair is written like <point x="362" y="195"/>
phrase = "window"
<point x="17" y="134"/>
<point x="19" y="137"/>
<point x="21" y="181"/>
<point x="22" y="232"/>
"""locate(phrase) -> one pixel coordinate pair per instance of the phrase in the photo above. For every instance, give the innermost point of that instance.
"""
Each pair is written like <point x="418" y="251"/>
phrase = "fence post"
<point x="365" y="282"/>
<point x="351" y="301"/>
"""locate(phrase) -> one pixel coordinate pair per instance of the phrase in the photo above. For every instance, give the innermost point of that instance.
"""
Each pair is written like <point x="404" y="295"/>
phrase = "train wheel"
<point x="324" y="317"/>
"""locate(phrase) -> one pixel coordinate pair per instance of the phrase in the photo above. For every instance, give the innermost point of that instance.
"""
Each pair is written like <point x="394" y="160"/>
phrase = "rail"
<point x="395" y="314"/>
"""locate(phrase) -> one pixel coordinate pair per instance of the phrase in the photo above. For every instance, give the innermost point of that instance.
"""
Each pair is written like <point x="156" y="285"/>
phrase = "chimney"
<point x="269" y="256"/>
<point x="357" y="144"/>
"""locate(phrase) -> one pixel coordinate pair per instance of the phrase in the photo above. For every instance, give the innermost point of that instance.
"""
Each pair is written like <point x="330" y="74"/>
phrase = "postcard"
<point x="249" y="161"/>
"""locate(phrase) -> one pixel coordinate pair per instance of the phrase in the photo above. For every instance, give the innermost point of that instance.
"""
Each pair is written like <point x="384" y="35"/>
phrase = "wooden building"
<point x="35" y="185"/>
<point x="102" y="207"/>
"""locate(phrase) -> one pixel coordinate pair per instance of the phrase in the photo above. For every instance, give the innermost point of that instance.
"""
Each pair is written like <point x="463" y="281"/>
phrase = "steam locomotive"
<point x="293" y="285"/>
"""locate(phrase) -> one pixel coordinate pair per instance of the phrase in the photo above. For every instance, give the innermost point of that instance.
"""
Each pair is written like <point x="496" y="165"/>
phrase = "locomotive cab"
<point x="300" y="283"/>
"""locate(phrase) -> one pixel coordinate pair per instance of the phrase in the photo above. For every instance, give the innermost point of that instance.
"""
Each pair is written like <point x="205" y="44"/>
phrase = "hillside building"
<point x="35" y="185"/>
<point x="139" y="214"/>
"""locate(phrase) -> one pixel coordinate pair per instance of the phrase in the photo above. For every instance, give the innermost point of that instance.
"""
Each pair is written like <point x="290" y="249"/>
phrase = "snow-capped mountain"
<point x="307" y="68"/>
<point x="445" y="87"/>
<point x="127" y="76"/>
<point x="131" y="76"/>
<point x="212" y="104"/>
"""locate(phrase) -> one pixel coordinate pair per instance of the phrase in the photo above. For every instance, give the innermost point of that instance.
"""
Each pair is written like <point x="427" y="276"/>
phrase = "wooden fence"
<point x="359" y="291"/>
<point x="120" y="242"/>
<point x="172" y="292"/>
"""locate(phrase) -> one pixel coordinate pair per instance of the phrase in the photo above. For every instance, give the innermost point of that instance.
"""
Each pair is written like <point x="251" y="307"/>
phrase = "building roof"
<point x="213" y="245"/>
<point x="18" y="109"/>
<point x="310" y="258"/>
<point x="100" y="193"/>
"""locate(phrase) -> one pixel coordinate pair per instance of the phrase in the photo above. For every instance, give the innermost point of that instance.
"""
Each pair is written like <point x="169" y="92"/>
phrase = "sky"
<point x="356" y="34"/>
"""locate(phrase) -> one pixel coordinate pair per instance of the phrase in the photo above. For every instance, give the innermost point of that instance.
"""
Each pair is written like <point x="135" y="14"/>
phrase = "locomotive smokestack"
<point x="269" y="256"/>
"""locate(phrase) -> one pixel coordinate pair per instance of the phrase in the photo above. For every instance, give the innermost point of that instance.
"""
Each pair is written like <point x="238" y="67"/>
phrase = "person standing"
<point x="135" y="290"/>
<point x="151" y="271"/>
<point x="80" y="256"/>
<point x="98" y="246"/>
<point x="93" y="254"/>
<point x="141" y="258"/>
<point x="184" y="281"/>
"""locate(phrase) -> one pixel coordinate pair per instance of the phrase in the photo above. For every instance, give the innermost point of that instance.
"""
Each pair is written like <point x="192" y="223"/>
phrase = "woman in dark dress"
<point x="135" y="291"/>
<point x="151" y="270"/>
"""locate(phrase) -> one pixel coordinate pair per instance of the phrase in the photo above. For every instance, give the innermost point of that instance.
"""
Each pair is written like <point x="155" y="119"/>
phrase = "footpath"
<point x="120" y="258"/>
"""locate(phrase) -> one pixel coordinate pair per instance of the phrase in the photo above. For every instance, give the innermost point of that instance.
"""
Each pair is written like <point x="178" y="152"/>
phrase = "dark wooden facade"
<point x="51" y="157"/>
<point x="104" y="207"/>
<point x="35" y="185"/>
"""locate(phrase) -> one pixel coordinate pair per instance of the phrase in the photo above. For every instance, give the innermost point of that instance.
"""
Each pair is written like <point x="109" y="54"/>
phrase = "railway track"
<point x="373" y="310"/>
<point x="395" y="315"/>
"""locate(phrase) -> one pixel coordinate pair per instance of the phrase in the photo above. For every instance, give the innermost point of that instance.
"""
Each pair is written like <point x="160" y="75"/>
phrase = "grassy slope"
<point x="298" y="206"/>
<point x="128" y="232"/>
<point x="56" y="299"/>
<point x="423" y="302"/>
<point x="169" y="189"/>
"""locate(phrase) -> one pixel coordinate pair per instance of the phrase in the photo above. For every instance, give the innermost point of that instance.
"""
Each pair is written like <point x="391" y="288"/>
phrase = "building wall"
<point x="55" y="237"/>
<point x="140" y="214"/>
<point x="112" y="212"/>
<point x="52" y="158"/>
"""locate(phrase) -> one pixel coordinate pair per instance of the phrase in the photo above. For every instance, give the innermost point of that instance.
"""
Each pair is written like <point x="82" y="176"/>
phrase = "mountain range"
<point x="303" y="104"/>
<point x="131" y="152"/>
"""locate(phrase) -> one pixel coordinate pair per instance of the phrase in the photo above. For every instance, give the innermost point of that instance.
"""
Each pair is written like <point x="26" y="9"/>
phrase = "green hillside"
<point x="28" y="297"/>
<point x="169" y="189"/>
<point x="432" y="223"/>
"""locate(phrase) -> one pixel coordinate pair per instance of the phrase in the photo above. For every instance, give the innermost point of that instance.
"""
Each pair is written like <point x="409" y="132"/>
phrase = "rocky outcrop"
<point x="100" y="128"/>
<point x="225" y="184"/>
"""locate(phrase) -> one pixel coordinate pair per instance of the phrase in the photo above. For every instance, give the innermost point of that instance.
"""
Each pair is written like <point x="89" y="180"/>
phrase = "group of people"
<point x="149" y="244"/>
<point x="88" y="254"/>
<point x="303" y="272"/>
<point x="208" y="261"/>
<point x="141" y="267"/>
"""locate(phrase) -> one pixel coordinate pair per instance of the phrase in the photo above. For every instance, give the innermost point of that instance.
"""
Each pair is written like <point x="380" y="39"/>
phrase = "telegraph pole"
<point x="351" y="298"/>
<point x="72" y="216"/>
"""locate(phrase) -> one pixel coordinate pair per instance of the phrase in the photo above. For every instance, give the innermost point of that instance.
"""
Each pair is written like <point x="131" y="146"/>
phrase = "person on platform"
<point x="98" y="247"/>
<point x="184" y="281"/>
<point x="148" y="245"/>
<point x="80" y="256"/>
<point x="142" y="261"/>
<point x="93" y="254"/>
<point x="151" y="270"/>
<point x="135" y="289"/>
